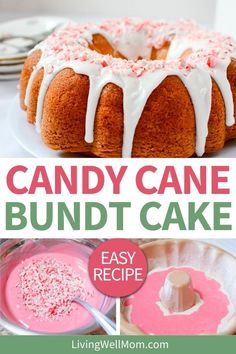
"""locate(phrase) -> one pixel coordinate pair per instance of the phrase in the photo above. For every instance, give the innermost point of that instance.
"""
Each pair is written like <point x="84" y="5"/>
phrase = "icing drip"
<point x="210" y="58"/>
<point x="134" y="98"/>
<point x="220" y="77"/>
<point x="42" y="92"/>
<point x="95" y="89"/>
<point x="29" y="86"/>
<point x="199" y="86"/>
<point x="136" y="93"/>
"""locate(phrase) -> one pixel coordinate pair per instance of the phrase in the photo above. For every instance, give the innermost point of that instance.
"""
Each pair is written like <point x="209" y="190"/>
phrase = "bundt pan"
<point x="213" y="261"/>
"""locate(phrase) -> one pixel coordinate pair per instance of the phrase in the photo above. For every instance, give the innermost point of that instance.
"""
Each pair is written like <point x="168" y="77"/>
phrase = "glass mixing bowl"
<point x="11" y="249"/>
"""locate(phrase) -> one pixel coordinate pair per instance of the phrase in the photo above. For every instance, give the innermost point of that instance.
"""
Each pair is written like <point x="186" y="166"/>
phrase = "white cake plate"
<point x="27" y="136"/>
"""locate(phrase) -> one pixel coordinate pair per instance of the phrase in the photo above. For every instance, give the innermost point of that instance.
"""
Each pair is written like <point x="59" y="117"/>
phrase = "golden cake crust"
<point x="166" y="127"/>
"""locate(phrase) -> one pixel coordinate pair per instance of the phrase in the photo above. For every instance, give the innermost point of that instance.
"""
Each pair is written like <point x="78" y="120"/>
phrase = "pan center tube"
<point x="177" y="294"/>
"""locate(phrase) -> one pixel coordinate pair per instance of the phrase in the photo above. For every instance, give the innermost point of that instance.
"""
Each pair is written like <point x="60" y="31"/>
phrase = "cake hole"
<point x="161" y="53"/>
<point x="187" y="53"/>
<point x="101" y="45"/>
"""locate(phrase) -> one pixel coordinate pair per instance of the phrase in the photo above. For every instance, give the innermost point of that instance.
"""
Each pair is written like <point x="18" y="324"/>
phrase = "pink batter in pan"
<point x="190" y="290"/>
<point x="152" y="319"/>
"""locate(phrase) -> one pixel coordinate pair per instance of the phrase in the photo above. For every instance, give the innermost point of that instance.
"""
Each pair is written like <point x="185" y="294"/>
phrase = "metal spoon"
<point x="106" y="323"/>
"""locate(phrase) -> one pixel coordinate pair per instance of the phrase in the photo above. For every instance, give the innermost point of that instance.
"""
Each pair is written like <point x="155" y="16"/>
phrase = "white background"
<point x="201" y="10"/>
<point x="219" y="14"/>
<point x="214" y="13"/>
<point x="128" y="193"/>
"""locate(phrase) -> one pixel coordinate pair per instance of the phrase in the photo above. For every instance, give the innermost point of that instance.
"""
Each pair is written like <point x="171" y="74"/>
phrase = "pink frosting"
<point x="39" y="289"/>
<point x="71" y="44"/>
<point x="147" y="315"/>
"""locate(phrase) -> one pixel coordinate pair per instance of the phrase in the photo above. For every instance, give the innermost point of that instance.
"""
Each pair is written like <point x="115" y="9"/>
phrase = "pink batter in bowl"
<point x="213" y="282"/>
<point x="39" y="280"/>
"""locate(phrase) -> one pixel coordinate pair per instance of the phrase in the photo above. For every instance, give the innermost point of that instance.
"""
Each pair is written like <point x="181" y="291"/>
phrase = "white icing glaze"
<point x="138" y="86"/>
<point x="219" y="74"/>
<point x="199" y="86"/>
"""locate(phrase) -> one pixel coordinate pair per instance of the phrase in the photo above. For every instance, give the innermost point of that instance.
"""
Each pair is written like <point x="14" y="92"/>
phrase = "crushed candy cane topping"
<point x="48" y="287"/>
<point x="71" y="44"/>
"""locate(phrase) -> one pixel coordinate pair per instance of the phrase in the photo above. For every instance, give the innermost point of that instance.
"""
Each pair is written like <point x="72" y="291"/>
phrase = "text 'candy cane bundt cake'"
<point x="132" y="88"/>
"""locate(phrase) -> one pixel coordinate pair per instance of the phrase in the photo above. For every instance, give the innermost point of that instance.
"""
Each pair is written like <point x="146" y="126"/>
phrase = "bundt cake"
<point x="132" y="88"/>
